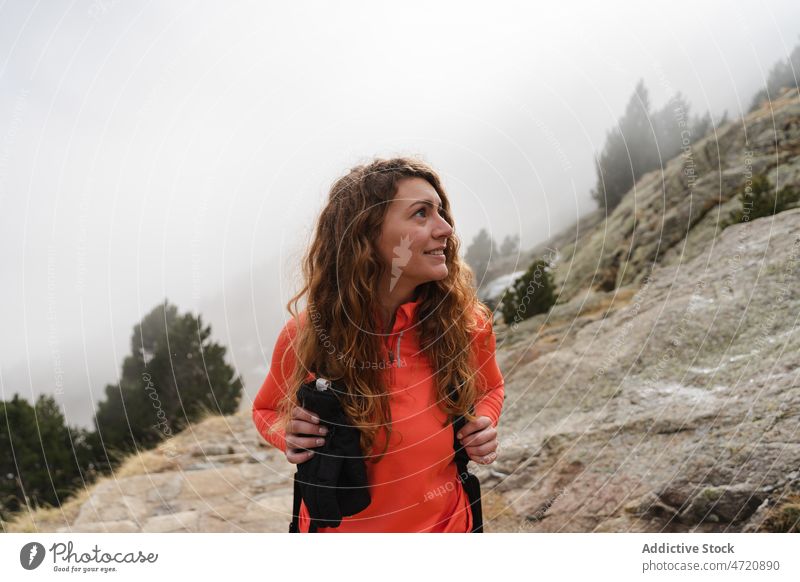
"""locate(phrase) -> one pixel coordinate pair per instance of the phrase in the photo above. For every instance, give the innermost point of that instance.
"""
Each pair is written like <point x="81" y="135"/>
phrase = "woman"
<point x="392" y="312"/>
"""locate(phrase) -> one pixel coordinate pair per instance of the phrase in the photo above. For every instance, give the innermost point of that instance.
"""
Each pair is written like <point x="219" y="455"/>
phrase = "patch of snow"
<point x="495" y="288"/>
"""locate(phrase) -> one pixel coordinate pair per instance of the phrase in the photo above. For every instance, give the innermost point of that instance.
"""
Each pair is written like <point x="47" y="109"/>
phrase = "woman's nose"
<point x="443" y="228"/>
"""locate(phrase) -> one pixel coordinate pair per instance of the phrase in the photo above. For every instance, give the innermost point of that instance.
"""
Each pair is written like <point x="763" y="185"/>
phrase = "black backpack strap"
<point x="294" y="527"/>
<point x="470" y="482"/>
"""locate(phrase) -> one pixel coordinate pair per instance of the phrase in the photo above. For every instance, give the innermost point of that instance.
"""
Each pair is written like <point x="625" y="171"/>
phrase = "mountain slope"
<point x="661" y="394"/>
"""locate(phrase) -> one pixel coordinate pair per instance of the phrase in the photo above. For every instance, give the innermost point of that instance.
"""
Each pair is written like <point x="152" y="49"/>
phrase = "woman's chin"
<point x="440" y="274"/>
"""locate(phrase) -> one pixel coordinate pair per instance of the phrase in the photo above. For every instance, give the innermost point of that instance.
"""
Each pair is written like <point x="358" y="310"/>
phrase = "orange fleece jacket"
<point x="415" y="487"/>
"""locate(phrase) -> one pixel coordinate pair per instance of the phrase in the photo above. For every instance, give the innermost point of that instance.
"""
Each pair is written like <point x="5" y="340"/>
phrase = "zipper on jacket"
<point x="397" y="352"/>
<point x="394" y="356"/>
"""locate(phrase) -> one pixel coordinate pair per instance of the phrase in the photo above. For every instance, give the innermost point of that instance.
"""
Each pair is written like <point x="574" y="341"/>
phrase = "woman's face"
<point x="414" y="226"/>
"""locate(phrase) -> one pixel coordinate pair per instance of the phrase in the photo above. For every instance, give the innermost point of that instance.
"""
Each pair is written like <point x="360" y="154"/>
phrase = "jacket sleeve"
<point x="274" y="389"/>
<point x="491" y="386"/>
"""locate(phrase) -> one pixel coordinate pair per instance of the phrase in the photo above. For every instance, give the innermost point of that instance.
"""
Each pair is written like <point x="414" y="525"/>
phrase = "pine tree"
<point x="629" y="151"/>
<point x="175" y="373"/>
<point x="669" y="122"/>
<point x="531" y="294"/>
<point x="43" y="460"/>
<point x="510" y="245"/>
<point x="637" y="129"/>
<point x="480" y="252"/>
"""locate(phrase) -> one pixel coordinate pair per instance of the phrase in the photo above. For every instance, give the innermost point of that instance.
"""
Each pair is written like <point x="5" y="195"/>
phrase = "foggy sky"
<point x="183" y="149"/>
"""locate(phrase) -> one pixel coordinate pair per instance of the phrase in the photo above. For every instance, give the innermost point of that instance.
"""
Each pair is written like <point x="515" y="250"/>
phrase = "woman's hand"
<point x="479" y="439"/>
<point x="300" y="433"/>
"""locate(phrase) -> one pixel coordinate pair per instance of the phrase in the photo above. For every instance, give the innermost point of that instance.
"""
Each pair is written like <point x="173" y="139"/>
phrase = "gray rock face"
<point x="676" y="411"/>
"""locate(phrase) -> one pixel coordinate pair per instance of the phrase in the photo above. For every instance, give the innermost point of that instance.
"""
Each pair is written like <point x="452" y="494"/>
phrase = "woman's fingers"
<point x="473" y="426"/>
<point x="303" y="414"/>
<point x="304" y="427"/>
<point x="480" y="437"/>
<point x="300" y="433"/>
<point x="304" y="422"/>
<point x="478" y="452"/>
<point x="486" y="459"/>
<point x="297" y="456"/>
<point x="294" y="441"/>
<point x="481" y="444"/>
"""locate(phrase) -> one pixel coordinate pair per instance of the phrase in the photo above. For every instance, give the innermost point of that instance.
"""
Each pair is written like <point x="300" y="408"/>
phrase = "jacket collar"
<point x="404" y="316"/>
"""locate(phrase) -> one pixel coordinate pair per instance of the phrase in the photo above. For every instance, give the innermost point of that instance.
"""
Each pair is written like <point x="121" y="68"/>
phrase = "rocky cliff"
<point x="660" y="394"/>
<point x="669" y="406"/>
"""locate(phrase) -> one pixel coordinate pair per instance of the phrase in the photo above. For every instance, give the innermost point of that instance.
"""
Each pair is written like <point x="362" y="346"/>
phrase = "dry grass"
<point x="783" y="518"/>
<point x="145" y="463"/>
<point x="47" y="518"/>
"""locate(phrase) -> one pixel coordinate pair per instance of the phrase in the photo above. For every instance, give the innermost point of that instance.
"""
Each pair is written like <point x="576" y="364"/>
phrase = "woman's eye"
<point x="424" y="210"/>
